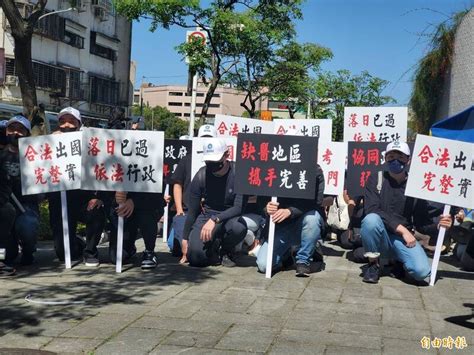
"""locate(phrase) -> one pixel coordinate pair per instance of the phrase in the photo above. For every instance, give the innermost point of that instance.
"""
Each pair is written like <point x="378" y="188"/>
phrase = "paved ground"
<point x="178" y="309"/>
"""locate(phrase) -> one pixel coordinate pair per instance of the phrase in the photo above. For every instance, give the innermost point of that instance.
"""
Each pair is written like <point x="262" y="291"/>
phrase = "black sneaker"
<point x="302" y="270"/>
<point x="227" y="261"/>
<point x="149" y="260"/>
<point x="372" y="274"/>
<point x="91" y="261"/>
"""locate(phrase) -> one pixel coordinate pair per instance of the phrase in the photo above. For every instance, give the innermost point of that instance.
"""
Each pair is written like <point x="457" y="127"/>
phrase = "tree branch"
<point x="38" y="10"/>
<point x="14" y="18"/>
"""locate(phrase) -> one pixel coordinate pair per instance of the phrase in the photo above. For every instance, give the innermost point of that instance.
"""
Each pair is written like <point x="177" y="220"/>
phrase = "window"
<point x="73" y="40"/>
<point x="171" y="93"/>
<point x="210" y="116"/>
<point x="75" y="91"/>
<point x="104" y="91"/>
<point x="214" y="105"/>
<point x="216" y="95"/>
<point x="187" y="104"/>
<point x="177" y="114"/>
<point x="99" y="50"/>
<point x="51" y="26"/>
<point x="48" y="77"/>
<point x="187" y="115"/>
<point x="200" y="94"/>
<point x="10" y="66"/>
<point x="175" y="104"/>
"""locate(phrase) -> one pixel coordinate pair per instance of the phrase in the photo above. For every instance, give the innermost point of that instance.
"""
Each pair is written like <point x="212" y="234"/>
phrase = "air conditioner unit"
<point x="101" y="13"/>
<point x="11" y="80"/>
<point x="81" y="5"/>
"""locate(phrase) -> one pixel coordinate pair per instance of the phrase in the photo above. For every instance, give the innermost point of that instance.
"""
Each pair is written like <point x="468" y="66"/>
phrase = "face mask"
<point x="214" y="166"/>
<point x="67" y="129"/>
<point x="13" y="140"/>
<point x="396" y="166"/>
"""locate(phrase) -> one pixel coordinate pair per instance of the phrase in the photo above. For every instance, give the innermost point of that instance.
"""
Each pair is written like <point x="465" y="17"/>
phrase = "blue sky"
<point x="380" y="36"/>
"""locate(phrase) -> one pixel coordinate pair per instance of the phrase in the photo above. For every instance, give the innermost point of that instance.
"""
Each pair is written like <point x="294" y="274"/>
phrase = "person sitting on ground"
<point x="181" y="180"/>
<point x="299" y="223"/>
<point x="463" y="234"/>
<point x="26" y="226"/>
<point x="214" y="228"/>
<point x="391" y="217"/>
<point x="82" y="206"/>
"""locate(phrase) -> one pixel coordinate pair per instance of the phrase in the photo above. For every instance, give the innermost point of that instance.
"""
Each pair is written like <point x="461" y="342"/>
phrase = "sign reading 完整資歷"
<point x="122" y="160"/>
<point x="50" y="163"/>
<point x="272" y="165"/>
<point x="442" y="171"/>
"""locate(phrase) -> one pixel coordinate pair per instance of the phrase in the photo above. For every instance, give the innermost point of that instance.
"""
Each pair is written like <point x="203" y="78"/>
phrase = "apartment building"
<point x="81" y="57"/>
<point x="176" y="99"/>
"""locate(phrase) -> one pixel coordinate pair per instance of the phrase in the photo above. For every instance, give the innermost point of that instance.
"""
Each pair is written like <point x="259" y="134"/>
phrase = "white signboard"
<point x="50" y="163"/>
<point x="197" y="161"/>
<point x="441" y="171"/>
<point x="332" y="159"/>
<point x="122" y="160"/>
<point x="375" y="124"/>
<point x="321" y="128"/>
<point x="228" y="126"/>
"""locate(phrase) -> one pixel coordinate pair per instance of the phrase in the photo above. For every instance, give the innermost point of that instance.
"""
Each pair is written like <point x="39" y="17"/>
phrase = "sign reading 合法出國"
<point x="228" y="126"/>
<point x="320" y="128"/>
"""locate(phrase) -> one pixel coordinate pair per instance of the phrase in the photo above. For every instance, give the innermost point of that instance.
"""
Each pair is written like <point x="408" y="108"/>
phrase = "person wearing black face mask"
<point x="83" y="206"/>
<point x="214" y="228"/>
<point x="26" y="224"/>
<point x="391" y="218"/>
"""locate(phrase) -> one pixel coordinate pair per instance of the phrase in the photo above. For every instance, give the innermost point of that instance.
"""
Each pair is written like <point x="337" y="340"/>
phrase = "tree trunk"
<point x="24" y="71"/>
<point x="207" y="100"/>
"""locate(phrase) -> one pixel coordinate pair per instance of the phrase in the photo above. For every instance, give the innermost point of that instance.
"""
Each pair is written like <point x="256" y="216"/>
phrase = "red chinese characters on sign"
<point x="270" y="177"/>
<point x="234" y="129"/>
<point x="93" y="148"/>
<point x="333" y="177"/>
<point x="100" y="172"/>
<point x="54" y="174"/>
<point x="425" y="154"/>
<point x="429" y="176"/>
<point x="353" y="120"/>
<point x="327" y="156"/>
<point x="365" y="120"/>
<point x="358" y="157"/>
<point x="110" y="146"/>
<point x="263" y="152"/>
<point x="30" y="153"/>
<point x="364" y="176"/>
<point x="248" y="151"/>
<point x="117" y="173"/>
<point x="373" y="156"/>
<point x="446" y="183"/>
<point x="39" y="176"/>
<point x="254" y="177"/>
<point x="443" y="158"/>
<point x="222" y="128"/>
<point x="46" y="152"/>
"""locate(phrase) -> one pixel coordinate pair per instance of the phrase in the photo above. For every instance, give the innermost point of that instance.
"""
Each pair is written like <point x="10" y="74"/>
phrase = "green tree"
<point x="288" y="77"/>
<point x="224" y="22"/>
<point x="160" y="119"/>
<point x="22" y="32"/>
<point x="331" y="92"/>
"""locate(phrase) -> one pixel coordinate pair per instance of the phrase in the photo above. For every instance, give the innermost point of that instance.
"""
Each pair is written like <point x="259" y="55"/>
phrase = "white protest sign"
<point x="228" y="126"/>
<point x="321" y="128"/>
<point x="441" y="171"/>
<point x="50" y="163"/>
<point x="375" y="124"/>
<point x="122" y="160"/>
<point x="198" y="143"/>
<point x="332" y="159"/>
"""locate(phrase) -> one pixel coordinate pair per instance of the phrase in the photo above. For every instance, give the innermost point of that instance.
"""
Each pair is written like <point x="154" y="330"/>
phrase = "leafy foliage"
<point x="330" y="93"/>
<point x="431" y="73"/>
<point x="162" y="120"/>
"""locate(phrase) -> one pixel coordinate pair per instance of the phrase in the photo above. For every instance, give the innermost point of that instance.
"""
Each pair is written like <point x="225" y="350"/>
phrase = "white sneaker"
<point x="254" y="251"/>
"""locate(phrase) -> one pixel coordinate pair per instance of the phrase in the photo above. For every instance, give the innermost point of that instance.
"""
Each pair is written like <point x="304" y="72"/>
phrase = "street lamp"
<point x="55" y="12"/>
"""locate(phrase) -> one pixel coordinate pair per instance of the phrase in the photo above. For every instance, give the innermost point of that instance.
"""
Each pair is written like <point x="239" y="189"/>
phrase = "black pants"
<point x="77" y="212"/>
<point x="145" y="220"/>
<point x="7" y="240"/>
<point x="224" y="237"/>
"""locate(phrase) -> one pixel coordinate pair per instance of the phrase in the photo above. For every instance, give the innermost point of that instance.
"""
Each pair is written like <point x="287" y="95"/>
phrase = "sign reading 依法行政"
<point x="50" y="163"/>
<point x="320" y="128"/>
<point x="231" y="125"/>
<point x="272" y="165"/>
<point x="122" y="160"/>
<point x="332" y="159"/>
<point x="441" y="171"/>
<point x="364" y="159"/>
<point x="175" y="150"/>
<point x="375" y="124"/>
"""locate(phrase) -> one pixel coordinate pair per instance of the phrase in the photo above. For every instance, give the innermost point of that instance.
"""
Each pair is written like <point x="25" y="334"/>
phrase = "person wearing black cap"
<point x="84" y="206"/>
<point x="391" y="218"/>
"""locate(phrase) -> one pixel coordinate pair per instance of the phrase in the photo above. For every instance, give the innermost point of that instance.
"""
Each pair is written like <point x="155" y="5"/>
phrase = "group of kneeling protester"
<point x="211" y="224"/>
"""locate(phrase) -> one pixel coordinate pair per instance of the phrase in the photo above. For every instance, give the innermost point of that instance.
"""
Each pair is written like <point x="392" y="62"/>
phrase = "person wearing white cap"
<point x="391" y="219"/>
<point x="213" y="224"/>
<point x="83" y="206"/>
<point x="181" y="179"/>
<point x="26" y="223"/>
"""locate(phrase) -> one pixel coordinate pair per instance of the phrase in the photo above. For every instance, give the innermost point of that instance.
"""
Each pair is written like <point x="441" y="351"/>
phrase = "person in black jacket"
<point x="391" y="218"/>
<point x="214" y="228"/>
<point x="83" y="206"/>
<point x="298" y="223"/>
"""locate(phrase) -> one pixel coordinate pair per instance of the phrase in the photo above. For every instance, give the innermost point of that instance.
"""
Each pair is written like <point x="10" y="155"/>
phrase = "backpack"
<point x="338" y="215"/>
